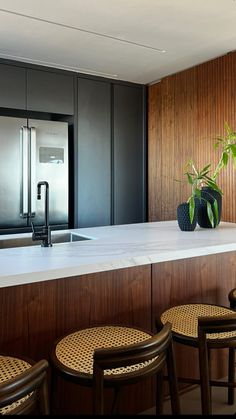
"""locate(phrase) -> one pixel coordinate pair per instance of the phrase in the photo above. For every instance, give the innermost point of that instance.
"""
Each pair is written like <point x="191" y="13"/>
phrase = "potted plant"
<point x="206" y="195"/>
<point x="209" y="192"/>
<point x="198" y="179"/>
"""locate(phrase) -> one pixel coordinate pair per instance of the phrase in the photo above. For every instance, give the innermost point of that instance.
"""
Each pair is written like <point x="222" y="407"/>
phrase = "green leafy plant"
<point x="197" y="179"/>
<point x="228" y="145"/>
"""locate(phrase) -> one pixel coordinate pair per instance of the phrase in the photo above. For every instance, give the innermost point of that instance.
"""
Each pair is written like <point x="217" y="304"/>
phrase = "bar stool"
<point x="204" y="326"/>
<point x="23" y="386"/>
<point x="114" y="356"/>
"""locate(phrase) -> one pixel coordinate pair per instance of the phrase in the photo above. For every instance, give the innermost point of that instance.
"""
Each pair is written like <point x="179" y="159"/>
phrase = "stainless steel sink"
<point x="27" y="241"/>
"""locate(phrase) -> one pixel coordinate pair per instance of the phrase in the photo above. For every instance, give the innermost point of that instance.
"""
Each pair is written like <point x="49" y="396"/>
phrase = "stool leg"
<point x="159" y="393"/>
<point x="205" y="379"/>
<point x="173" y="384"/>
<point x="231" y="375"/>
<point x="43" y="398"/>
<point x="115" y="404"/>
<point x="53" y="391"/>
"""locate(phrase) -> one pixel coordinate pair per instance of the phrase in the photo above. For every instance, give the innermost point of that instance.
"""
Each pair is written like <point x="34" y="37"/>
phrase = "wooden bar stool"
<point x="204" y="326"/>
<point x="115" y="356"/>
<point x="23" y="386"/>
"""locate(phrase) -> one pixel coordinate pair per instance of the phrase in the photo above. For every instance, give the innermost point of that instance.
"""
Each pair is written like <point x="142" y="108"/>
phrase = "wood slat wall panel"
<point x="187" y="111"/>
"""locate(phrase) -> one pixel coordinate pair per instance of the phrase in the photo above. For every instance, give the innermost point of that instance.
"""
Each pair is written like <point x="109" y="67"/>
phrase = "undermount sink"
<point x="27" y="241"/>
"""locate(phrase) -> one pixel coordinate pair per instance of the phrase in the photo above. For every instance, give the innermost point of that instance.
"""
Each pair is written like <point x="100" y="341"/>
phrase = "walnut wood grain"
<point x="33" y="316"/>
<point x="186" y="112"/>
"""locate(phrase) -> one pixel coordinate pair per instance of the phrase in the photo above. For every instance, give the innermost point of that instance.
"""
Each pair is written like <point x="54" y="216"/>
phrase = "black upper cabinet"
<point x="50" y="92"/>
<point x="129" y="155"/>
<point x="94" y="153"/>
<point x="12" y="87"/>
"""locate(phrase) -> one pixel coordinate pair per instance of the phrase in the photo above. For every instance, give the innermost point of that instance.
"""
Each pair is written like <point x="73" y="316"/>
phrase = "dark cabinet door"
<point x="94" y="153"/>
<point x="129" y="155"/>
<point x="50" y="92"/>
<point x="12" y="87"/>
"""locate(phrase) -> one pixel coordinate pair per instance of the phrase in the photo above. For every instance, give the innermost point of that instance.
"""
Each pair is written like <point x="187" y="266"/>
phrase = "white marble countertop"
<point x="112" y="247"/>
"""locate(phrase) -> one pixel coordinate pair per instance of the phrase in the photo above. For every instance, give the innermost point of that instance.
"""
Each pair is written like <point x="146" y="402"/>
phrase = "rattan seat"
<point x="205" y="326"/>
<point x="75" y="351"/>
<point x="184" y="320"/>
<point x="23" y="386"/>
<point x="113" y="356"/>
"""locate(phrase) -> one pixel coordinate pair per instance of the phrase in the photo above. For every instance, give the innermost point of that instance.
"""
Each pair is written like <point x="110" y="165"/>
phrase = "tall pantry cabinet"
<point x="111" y="153"/>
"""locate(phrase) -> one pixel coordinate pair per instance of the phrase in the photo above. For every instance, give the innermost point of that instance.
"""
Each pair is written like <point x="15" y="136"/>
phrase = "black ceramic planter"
<point x="184" y="219"/>
<point x="209" y="195"/>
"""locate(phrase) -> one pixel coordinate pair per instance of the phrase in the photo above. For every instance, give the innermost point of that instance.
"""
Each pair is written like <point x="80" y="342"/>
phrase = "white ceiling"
<point x="120" y="39"/>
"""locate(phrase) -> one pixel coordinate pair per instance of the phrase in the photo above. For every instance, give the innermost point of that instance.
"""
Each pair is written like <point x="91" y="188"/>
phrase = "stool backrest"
<point x="217" y="324"/>
<point x="33" y="380"/>
<point x="232" y="298"/>
<point x="151" y="354"/>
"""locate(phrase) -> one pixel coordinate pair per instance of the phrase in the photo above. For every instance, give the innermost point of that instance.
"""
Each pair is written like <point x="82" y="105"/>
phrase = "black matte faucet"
<point x="45" y="233"/>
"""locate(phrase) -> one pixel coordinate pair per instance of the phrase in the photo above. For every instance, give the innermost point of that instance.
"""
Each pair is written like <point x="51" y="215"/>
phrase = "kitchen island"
<point x="124" y="275"/>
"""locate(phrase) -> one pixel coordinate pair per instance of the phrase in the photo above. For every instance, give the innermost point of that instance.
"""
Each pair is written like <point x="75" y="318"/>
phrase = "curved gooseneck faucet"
<point x="45" y="233"/>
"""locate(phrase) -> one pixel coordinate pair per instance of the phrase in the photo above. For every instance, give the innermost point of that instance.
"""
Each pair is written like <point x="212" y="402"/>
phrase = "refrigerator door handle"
<point x="24" y="145"/>
<point x="33" y="171"/>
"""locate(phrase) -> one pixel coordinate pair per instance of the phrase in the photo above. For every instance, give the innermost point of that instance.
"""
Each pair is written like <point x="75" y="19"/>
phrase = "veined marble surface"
<point x="112" y="247"/>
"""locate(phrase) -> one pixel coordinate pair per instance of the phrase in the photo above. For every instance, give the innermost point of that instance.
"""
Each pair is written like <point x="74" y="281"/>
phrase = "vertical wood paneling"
<point x="33" y="316"/>
<point x="187" y="111"/>
<point x="13" y="321"/>
<point x="205" y="279"/>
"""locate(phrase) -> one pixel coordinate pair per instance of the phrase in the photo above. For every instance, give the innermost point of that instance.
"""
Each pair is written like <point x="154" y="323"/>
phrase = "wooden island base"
<point x="34" y="315"/>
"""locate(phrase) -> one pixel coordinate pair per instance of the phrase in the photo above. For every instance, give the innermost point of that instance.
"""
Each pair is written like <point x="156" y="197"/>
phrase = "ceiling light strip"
<point x="83" y="30"/>
<point x="60" y="66"/>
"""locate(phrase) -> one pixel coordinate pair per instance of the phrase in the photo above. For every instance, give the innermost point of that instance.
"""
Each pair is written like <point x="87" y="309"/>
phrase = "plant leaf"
<point x="198" y="193"/>
<point x="213" y="185"/>
<point x="210" y="214"/>
<point x="205" y="169"/>
<point x="216" y="212"/>
<point x="190" y="180"/>
<point x="191" y="208"/>
<point x="225" y="158"/>
<point x="233" y="150"/>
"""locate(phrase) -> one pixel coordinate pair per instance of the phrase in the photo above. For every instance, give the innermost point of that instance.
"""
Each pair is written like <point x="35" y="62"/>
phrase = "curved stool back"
<point x="23" y="387"/>
<point x="232" y="298"/>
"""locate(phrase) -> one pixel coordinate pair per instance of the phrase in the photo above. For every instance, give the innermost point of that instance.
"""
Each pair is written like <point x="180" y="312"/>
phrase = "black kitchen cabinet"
<point x="129" y="154"/>
<point x="94" y="152"/>
<point x="12" y="87"/>
<point x="50" y="92"/>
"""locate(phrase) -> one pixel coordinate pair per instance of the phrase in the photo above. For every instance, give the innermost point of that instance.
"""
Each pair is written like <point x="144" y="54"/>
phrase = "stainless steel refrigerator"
<point x="32" y="150"/>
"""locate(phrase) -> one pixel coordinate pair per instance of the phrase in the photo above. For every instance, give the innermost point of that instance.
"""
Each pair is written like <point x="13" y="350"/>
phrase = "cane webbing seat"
<point x="75" y="350"/>
<point x="184" y="319"/>
<point x="23" y="386"/>
<point x="115" y="356"/>
<point x="9" y="368"/>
